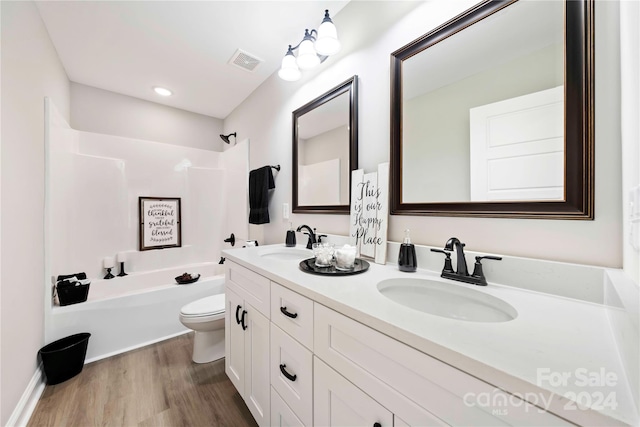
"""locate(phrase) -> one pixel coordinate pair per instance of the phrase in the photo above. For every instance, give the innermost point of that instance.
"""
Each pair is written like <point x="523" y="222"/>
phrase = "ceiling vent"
<point x="245" y="60"/>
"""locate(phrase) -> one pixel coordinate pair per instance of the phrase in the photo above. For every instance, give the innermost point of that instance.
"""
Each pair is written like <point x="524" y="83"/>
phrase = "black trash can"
<point x="64" y="359"/>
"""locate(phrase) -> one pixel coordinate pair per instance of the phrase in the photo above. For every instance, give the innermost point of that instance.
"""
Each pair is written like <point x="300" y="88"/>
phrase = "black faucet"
<point x="461" y="261"/>
<point x="311" y="233"/>
<point x="462" y="274"/>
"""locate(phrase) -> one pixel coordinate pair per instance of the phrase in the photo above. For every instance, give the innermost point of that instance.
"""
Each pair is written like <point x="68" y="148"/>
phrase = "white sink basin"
<point x="285" y="253"/>
<point x="447" y="300"/>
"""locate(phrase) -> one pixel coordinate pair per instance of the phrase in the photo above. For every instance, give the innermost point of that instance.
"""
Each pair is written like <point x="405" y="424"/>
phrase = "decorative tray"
<point x="185" y="279"/>
<point x="309" y="266"/>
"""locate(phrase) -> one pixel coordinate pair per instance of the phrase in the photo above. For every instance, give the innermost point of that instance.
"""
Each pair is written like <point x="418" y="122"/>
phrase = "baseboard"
<point x="27" y="403"/>
<point x="133" y="347"/>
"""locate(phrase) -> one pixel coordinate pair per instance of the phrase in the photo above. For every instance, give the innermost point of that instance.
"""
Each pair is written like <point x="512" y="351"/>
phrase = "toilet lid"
<point x="205" y="306"/>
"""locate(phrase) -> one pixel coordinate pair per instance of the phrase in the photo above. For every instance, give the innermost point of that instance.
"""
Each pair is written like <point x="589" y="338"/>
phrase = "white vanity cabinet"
<point x="415" y="386"/>
<point x="297" y="362"/>
<point x="247" y="330"/>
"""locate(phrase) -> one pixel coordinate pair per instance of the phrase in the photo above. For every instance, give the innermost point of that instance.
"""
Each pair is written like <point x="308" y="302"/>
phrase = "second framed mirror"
<point x="492" y="114"/>
<point x="325" y="150"/>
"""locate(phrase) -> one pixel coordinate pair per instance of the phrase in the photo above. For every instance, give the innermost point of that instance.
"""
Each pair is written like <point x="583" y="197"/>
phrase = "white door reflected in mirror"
<point x="516" y="52"/>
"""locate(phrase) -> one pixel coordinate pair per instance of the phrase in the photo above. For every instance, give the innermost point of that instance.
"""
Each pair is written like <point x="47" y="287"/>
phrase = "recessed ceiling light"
<point x="162" y="91"/>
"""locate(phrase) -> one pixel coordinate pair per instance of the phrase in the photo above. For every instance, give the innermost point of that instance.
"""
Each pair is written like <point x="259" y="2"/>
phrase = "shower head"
<point x="225" y="138"/>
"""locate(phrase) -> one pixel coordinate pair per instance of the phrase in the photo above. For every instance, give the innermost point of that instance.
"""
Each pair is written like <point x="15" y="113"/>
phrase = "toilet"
<point x="206" y="317"/>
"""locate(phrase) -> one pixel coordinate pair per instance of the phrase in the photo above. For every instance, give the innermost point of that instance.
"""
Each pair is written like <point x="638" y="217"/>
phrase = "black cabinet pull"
<point x="244" y="327"/>
<point x="287" y="374"/>
<point x="284" y="311"/>
<point x="237" y="316"/>
<point x="377" y="425"/>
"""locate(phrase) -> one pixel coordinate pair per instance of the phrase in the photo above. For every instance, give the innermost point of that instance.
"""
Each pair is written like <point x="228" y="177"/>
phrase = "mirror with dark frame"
<point x="492" y="114"/>
<point x="325" y="150"/>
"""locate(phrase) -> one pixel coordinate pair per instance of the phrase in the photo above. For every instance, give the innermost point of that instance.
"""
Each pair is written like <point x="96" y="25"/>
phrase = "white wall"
<point x="630" y="89"/>
<point x="31" y="70"/>
<point x="102" y="111"/>
<point x="265" y="117"/>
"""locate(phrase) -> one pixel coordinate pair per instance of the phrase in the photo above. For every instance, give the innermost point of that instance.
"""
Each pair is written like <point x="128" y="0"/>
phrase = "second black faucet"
<point x="462" y="274"/>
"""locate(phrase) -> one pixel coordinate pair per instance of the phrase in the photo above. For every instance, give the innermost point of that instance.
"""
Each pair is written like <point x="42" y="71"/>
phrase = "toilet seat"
<point x="208" y="306"/>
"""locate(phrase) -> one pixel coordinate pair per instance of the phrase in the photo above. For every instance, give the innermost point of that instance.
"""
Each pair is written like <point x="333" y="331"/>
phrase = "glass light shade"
<point x="307" y="56"/>
<point x="327" y="43"/>
<point x="289" y="69"/>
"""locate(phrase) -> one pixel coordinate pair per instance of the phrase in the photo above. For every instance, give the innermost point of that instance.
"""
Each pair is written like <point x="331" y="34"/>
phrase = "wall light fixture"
<point x="314" y="48"/>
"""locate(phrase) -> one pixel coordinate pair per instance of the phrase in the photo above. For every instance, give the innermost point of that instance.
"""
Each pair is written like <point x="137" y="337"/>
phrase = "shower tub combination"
<point x="133" y="311"/>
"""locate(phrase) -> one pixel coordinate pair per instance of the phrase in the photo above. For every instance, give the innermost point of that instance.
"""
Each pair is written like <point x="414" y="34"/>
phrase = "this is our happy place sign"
<point x="369" y="212"/>
<point x="159" y="223"/>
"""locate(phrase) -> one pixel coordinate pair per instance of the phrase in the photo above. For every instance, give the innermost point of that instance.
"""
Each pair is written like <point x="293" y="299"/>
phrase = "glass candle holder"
<point x="323" y="253"/>
<point x="345" y="257"/>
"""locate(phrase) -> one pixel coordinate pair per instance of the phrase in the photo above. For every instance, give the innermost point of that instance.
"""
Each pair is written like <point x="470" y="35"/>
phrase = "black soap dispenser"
<point x="407" y="257"/>
<point x="290" y="240"/>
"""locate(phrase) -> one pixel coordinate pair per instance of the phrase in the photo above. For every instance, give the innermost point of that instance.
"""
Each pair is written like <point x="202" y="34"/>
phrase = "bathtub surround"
<point x="125" y="169"/>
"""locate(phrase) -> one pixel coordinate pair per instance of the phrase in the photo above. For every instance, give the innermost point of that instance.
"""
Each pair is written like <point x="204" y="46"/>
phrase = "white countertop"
<point x="551" y="335"/>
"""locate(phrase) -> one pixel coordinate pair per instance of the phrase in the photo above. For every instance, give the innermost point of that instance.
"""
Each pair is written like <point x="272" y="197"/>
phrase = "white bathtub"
<point x="133" y="311"/>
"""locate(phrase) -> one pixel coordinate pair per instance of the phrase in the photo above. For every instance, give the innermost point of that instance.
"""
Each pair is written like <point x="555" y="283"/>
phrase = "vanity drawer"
<point x="292" y="373"/>
<point x="250" y="286"/>
<point x="367" y="358"/>
<point x="293" y="313"/>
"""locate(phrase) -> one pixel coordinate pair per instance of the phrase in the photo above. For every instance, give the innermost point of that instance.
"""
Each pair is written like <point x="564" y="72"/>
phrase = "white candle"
<point x="108" y="262"/>
<point x="122" y="257"/>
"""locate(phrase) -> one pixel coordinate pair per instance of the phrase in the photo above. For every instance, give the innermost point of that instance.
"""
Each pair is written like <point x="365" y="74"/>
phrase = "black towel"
<point x="260" y="182"/>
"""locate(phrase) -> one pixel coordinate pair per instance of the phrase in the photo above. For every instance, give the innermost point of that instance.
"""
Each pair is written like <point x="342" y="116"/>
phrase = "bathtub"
<point x="136" y="310"/>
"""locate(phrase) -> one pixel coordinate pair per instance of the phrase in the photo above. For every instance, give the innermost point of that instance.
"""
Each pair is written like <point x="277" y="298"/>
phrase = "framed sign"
<point x="159" y="223"/>
<point x="370" y="211"/>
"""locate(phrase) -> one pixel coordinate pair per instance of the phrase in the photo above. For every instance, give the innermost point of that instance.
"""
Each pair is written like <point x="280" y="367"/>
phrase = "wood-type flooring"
<point x="154" y="386"/>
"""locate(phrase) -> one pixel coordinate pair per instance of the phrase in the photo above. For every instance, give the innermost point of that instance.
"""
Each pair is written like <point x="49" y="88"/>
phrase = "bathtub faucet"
<point x="311" y="234"/>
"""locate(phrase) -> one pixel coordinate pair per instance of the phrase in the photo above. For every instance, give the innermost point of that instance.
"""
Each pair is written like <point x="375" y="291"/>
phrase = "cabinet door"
<point x="256" y="365"/>
<point x="234" y="340"/>
<point x="337" y="402"/>
<point x="281" y="414"/>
